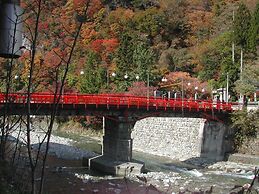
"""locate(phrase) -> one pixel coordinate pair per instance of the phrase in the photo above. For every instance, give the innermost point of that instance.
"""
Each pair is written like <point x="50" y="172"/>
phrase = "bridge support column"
<point x="117" y="148"/>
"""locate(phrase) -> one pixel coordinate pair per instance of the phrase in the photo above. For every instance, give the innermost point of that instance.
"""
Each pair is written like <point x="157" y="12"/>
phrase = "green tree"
<point x="124" y="53"/>
<point x="250" y="80"/>
<point x="246" y="124"/>
<point x="242" y="25"/>
<point x="253" y="40"/>
<point x="94" y="75"/>
<point x="150" y="22"/>
<point x="143" y="58"/>
<point x="217" y="62"/>
<point x="134" y="58"/>
<point x="113" y="4"/>
<point x="143" y="4"/>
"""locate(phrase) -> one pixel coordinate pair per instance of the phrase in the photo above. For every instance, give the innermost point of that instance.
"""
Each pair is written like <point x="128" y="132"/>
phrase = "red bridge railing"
<point x="118" y="101"/>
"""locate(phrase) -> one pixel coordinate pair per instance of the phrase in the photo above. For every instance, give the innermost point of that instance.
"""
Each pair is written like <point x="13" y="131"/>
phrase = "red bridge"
<point x="116" y="101"/>
<point x="120" y="113"/>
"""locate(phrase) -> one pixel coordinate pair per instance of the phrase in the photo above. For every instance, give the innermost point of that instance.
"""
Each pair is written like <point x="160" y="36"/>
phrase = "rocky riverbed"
<point x="200" y="175"/>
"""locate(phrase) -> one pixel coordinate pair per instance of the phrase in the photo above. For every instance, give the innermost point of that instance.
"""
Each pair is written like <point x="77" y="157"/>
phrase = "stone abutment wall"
<point x="181" y="138"/>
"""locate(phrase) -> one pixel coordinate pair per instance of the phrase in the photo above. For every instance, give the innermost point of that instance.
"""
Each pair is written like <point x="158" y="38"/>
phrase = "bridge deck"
<point x="118" y="101"/>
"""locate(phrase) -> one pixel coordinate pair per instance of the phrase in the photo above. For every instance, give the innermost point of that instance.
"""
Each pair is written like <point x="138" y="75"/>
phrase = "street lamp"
<point x="164" y="79"/>
<point x="137" y="77"/>
<point x="82" y="72"/>
<point x="196" y="94"/>
<point x="126" y="76"/>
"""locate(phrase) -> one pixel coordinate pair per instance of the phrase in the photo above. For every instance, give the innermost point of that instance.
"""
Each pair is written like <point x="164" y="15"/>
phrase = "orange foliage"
<point x="79" y="3"/>
<point x="120" y="15"/>
<point x="178" y="80"/>
<point x="104" y="46"/>
<point x="200" y="19"/>
<point x="93" y="6"/>
<point x="51" y="59"/>
<point x="141" y="89"/>
<point x="43" y="26"/>
<point x="88" y="33"/>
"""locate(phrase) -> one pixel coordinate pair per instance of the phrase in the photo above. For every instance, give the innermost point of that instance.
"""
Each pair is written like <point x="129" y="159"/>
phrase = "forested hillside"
<point x="124" y="45"/>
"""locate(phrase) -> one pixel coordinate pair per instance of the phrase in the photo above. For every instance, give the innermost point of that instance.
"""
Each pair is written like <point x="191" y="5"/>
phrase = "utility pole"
<point x="107" y="78"/>
<point x="233" y="44"/>
<point x="227" y="88"/>
<point x="148" y="84"/>
<point x="241" y="97"/>
<point x="182" y="90"/>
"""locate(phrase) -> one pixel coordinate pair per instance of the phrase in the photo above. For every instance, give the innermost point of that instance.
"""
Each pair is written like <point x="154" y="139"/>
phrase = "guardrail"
<point x="116" y="100"/>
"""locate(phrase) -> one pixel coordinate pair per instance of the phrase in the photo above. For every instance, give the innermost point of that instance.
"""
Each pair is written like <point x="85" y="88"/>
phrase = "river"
<point x="171" y="176"/>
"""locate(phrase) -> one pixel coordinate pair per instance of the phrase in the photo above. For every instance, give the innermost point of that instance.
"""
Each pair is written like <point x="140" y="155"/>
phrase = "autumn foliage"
<point x="185" y="41"/>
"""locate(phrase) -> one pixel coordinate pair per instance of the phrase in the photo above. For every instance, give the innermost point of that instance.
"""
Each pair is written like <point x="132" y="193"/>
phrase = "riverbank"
<point x="165" y="175"/>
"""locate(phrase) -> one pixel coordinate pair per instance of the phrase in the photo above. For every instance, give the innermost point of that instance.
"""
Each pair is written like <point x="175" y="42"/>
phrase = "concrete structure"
<point x="117" y="148"/>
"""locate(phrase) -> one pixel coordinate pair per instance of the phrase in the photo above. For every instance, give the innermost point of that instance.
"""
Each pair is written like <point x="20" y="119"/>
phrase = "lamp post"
<point x="203" y="93"/>
<point x="113" y="74"/>
<point x="196" y="94"/>
<point x="183" y="88"/>
<point x="148" y="84"/>
<point x="188" y="84"/>
<point x="164" y="79"/>
<point x="227" y="88"/>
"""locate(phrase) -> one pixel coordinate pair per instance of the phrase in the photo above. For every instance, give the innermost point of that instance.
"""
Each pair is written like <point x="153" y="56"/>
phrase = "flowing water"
<point x="171" y="176"/>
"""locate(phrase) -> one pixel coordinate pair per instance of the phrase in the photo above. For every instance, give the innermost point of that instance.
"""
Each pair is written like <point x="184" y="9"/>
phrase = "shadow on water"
<point x="200" y="162"/>
<point x="70" y="158"/>
<point x="163" y="164"/>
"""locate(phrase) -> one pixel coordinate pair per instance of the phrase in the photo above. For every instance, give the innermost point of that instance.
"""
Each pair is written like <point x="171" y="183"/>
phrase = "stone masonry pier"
<point x="175" y="137"/>
<point x="117" y="148"/>
<point x="182" y="138"/>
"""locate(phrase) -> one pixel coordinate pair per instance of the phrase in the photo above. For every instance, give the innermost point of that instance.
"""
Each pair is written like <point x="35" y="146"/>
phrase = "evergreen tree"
<point x="92" y="80"/>
<point x="125" y="51"/>
<point x="134" y="58"/>
<point x="242" y="25"/>
<point x="253" y="40"/>
<point x="250" y="81"/>
<point x="143" y="58"/>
